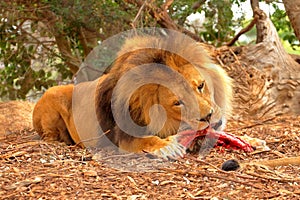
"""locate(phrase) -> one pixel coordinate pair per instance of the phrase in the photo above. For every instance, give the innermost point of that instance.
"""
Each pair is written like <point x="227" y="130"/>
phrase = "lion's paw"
<point x="172" y="151"/>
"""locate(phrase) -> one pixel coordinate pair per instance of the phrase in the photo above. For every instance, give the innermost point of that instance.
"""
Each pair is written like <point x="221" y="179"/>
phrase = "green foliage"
<point x="284" y="28"/>
<point x="180" y="10"/>
<point x="23" y="46"/>
<point x="92" y="14"/>
<point x="219" y="25"/>
<point x="30" y="59"/>
<point x="17" y="77"/>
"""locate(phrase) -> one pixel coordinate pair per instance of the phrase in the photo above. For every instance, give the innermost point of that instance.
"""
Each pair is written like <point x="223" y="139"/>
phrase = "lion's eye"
<point x="200" y="87"/>
<point x="178" y="103"/>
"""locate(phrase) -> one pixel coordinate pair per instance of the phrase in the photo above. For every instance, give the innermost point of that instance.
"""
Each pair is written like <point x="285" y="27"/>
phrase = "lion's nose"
<point x="207" y="117"/>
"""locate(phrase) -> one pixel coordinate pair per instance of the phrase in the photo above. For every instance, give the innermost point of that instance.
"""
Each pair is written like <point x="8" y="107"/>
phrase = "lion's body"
<point x="192" y="93"/>
<point x="53" y="113"/>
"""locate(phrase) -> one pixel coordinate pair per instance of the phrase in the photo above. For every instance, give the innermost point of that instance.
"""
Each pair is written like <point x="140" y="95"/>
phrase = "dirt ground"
<point x="34" y="169"/>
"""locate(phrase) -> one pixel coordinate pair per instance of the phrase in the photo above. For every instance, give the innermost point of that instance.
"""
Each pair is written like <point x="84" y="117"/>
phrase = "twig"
<point x="13" y="154"/>
<point x="58" y="175"/>
<point x="163" y="18"/>
<point x="137" y="16"/>
<point x="220" y="61"/>
<point x="167" y="4"/>
<point x="118" y="156"/>
<point x="53" y="151"/>
<point x="272" y="178"/>
<point x="219" y="170"/>
<point x="23" y="183"/>
<point x="252" y="125"/>
<point x="40" y="43"/>
<point x="206" y="163"/>
<point x="207" y="174"/>
<point x="91" y="139"/>
<point x="236" y="58"/>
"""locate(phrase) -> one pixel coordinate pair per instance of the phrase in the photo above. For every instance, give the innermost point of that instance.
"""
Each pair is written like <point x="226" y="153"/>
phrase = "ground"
<point x="34" y="169"/>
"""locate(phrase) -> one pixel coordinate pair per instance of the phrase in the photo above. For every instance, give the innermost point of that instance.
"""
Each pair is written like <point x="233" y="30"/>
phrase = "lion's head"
<point x="159" y="86"/>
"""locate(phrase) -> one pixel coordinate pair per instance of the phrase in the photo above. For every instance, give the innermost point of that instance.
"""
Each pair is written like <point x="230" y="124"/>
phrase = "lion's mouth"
<point x="187" y="127"/>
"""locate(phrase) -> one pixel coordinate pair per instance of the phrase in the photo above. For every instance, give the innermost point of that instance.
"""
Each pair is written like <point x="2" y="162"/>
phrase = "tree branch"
<point x="254" y="5"/>
<point x="244" y="30"/>
<point x="162" y="17"/>
<point x="88" y="39"/>
<point x="293" y="11"/>
<point x="167" y="5"/>
<point x="198" y="4"/>
<point x="38" y="42"/>
<point x="63" y="44"/>
<point x="133" y="23"/>
<point x="268" y="37"/>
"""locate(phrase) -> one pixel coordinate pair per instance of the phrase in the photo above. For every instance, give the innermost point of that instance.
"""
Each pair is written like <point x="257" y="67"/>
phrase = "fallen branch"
<point x="24" y="183"/>
<point x="280" y="162"/>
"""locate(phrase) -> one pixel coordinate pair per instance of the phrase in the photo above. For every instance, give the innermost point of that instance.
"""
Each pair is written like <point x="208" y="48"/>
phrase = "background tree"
<point x="293" y="11"/>
<point x="44" y="42"/>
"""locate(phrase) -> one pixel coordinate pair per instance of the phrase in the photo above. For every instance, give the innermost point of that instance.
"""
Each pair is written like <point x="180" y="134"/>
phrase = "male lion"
<point x="156" y="88"/>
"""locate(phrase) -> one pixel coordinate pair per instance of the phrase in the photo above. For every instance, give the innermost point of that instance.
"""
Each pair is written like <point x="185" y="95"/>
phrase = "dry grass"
<point x="33" y="169"/>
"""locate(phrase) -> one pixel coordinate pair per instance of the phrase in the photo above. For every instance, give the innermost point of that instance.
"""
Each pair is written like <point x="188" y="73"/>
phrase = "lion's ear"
<point x="103" y="97"/>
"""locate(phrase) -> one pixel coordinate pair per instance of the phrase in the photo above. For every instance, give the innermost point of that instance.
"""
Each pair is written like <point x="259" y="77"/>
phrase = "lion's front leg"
<point x="165" y="148"/>
<point x="171" y="147"/>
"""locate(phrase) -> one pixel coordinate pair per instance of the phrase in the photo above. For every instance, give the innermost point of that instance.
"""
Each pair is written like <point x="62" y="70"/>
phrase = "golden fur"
<point x="193" y="95"/>
<point x="52" y="115"/>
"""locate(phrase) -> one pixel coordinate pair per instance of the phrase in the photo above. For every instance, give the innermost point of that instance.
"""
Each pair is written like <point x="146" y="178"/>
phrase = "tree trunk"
<point x="292" y="8"/>
<point x="267" y="79"/>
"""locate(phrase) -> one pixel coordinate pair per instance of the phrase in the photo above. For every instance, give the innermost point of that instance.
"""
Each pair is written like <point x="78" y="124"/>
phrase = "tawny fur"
<point x="53" y="119"/>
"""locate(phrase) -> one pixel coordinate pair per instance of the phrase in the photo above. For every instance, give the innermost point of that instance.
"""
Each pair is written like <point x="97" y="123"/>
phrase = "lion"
<point x="156" y="88"/>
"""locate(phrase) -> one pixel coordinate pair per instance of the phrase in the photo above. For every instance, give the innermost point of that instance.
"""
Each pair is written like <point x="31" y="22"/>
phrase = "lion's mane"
<point x="174" y="52"/>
